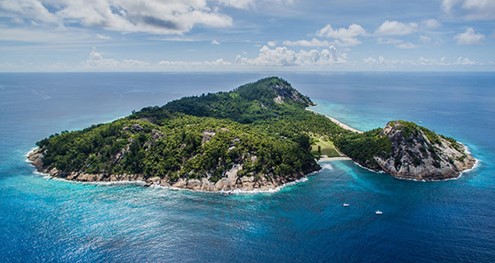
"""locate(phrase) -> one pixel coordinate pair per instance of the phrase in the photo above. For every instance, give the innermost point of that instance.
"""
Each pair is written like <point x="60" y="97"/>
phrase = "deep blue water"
<point x="51" y="220"/>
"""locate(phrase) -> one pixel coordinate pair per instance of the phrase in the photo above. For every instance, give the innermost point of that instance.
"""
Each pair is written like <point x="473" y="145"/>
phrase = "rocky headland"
<point x="419" y="154"/>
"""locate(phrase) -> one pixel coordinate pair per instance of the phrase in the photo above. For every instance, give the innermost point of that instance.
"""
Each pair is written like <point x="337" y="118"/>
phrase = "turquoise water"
<point x="51" y="220"/>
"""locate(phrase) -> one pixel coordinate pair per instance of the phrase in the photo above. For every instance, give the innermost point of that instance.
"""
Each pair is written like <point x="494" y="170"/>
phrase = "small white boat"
<point x="345" y="204"/>
<point x="378" y="212"/>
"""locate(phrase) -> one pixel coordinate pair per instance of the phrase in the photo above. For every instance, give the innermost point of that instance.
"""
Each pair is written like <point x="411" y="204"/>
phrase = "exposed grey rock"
<point x="36" y="157"/>
<point x="415" y="157"/>
<point x="181" y="183"/>
<point x="156" y="134"/>
<point x="207" y="136"/>
<point x="193" y="184"/>
<point x="229" y="182"/>
<point x="136" y="127"/>
<point x="284" y="91"/>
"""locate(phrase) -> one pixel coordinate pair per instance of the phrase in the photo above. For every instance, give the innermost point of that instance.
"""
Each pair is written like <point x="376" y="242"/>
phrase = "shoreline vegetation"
<point x="256" y="138"/>
<point x="29" y="158"/>
<point x="175" y="188"/>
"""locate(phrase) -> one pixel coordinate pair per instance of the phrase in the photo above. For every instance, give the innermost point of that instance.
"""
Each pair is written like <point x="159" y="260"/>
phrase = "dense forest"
<point x="262" y="126"/>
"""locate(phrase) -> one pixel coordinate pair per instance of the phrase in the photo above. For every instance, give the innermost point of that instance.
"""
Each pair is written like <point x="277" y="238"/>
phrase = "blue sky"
<point x="246" y="35"/>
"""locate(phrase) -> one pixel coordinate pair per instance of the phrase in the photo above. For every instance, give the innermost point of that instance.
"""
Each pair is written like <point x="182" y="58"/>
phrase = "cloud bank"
<point x="470" y="9"/>
<point x="150" y="16"/>
<point x="283" y="56"/>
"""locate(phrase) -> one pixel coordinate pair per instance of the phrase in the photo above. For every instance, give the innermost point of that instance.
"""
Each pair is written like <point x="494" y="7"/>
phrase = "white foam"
<point x="365" y="168"/>
<point x="28" y="153"/>
<point x="271" y="190"/>
<point x="475" y="166"/>
<point x="109" y="183"/>
<point x="235" y="191"/>
<point x="143" y="183"/>
<point x="327" y="166"/>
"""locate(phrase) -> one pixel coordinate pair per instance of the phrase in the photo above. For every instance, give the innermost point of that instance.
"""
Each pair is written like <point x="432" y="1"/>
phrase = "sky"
<point x="247" y="35"/>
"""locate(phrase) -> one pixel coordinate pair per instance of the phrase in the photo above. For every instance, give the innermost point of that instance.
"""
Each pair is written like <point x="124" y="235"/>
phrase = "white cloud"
<point x="397" y="43"/>
<point x="421" y="61"/>
<point x="151" y="16"/>
<point x="27" y="9"/>
<point x="217" y="62"/>
<point x="308" y="43"/>
<point x="471" y="9"/>
<point x="44" y="35"/>
<point x="430" y="23"/>
<point x="240" y="4"/>
<point x="96" y="61"/>
<point x="283" y="56"/>
<point x="465" y="61"/>
<point x="448" y="5"/>
<point x="425" y="39"/>
<point x="103" y="37"/>
<point x="469" y="37"/>
<point x="247" y="4"/>
<point x="395" y="28"/>
<point x="405" y="45"/>
<point x="379" y="60"/>
<point x="215" y="42"/>
<point x="344" y="36"/>
<point x="271" y="43"/>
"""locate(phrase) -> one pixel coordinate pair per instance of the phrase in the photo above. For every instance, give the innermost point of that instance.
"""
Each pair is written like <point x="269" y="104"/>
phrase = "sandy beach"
<point x="325" y="158"/>
<point x="342" y="125"/>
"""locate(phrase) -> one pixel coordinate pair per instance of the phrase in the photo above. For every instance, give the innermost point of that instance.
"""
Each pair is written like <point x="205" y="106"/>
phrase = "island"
<point x="256" y="137"/>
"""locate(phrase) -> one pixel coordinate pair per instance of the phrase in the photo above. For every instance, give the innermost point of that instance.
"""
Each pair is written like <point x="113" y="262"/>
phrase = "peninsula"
<point x="256" y="137"/>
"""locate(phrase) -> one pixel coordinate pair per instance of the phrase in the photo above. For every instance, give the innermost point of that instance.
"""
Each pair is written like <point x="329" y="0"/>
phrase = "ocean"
<point x="44" y="219"/>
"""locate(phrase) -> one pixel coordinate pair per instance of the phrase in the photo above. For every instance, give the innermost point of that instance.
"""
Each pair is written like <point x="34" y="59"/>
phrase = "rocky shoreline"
<point x="230" y="183"/>
<point x="415" y="157"/>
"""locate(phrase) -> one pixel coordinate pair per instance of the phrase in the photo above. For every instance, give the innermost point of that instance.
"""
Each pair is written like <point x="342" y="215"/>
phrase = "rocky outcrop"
<point x="420" y="154"/>
<point x="231" y="181"/>
<point x="285" y="92"/>
<point x="36" y="158"/>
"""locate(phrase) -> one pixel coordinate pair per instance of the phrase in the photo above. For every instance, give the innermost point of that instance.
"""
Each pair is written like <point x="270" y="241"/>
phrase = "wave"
<point x="143" y="183"/>
<point x="475" y="166"/>
<point x="368" y="169"/>
<point x="327" y="166"/>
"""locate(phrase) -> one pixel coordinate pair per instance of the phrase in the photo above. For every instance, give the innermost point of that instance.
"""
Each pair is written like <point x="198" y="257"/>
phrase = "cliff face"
<point x="285" y="92"/>
<point x="418" y="153"/>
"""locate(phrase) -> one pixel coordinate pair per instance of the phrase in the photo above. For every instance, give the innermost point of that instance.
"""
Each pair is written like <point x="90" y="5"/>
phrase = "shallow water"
<point x="53" y="220"/>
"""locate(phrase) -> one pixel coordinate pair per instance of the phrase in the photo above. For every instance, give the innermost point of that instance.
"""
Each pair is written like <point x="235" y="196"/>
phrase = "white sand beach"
<point x="342" y="125"/>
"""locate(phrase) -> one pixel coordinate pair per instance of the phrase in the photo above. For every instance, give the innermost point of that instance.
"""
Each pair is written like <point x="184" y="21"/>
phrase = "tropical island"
<point x="257" y="137"/>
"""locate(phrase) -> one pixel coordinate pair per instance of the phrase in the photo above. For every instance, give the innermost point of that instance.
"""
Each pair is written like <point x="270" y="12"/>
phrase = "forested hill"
<point x="258" y="136"/>
<point x="261" y="100"/>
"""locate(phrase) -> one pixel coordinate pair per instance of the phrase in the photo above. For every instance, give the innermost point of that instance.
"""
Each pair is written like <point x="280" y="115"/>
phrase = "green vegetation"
<point x="321" y="146"/>
<point x="363" y="147"/>
<point x="263" y="126"/>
